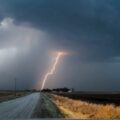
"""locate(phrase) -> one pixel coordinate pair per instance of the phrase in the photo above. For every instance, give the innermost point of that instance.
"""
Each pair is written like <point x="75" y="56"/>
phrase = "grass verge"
<point x="80" y="109"/>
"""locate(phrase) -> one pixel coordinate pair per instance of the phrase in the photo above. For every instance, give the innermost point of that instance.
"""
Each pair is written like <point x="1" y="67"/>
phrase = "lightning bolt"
<point x="52" y="69"/>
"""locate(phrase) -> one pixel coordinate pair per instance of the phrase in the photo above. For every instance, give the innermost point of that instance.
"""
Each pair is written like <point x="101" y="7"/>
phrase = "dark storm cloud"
<point x="88" y="28"/>
<point x="94" y="24"/>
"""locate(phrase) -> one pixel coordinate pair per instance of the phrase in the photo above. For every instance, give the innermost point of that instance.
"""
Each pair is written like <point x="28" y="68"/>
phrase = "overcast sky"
<point x="88" y="30"/>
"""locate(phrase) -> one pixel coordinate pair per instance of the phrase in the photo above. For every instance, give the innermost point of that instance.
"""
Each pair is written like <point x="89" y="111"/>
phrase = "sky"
<point x="32" y="31"/>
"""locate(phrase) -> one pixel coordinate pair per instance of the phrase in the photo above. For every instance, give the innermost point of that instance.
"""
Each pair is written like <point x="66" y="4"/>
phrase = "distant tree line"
<point x="58" y="90"/>
<point x="65" y="89"/>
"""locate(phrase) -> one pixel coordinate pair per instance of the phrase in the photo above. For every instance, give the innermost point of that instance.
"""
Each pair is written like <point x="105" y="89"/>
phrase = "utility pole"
<point x="15" y="87"/>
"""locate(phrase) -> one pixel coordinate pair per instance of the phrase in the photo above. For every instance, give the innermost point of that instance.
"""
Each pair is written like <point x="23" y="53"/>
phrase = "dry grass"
<point x="79" y="109"/>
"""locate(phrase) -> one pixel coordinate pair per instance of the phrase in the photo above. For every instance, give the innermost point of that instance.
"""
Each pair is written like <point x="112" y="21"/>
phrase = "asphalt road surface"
<point x="19" y="108"/>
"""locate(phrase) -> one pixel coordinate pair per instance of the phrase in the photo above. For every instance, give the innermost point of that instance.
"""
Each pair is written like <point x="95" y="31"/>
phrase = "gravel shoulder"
<point x="46" y="108"/>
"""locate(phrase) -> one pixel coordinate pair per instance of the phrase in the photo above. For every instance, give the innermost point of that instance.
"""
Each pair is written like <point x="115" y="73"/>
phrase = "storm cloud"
<point x="87" y="29"/>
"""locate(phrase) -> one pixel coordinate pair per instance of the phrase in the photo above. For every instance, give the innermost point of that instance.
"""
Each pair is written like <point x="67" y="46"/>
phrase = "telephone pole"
<point x="15" y="86"/>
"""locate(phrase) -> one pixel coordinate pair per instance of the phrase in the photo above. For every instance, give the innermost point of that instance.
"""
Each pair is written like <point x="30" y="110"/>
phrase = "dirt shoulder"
<point x="46" y="108"/>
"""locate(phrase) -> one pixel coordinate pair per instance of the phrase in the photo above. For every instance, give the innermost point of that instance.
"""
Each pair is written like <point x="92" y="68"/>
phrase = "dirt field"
<point x="8" y="95"/>
<point x="94" y="97"/>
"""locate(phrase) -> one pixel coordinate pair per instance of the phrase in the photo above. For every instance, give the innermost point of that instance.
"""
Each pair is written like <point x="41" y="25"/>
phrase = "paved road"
<point x="19" y="108"/>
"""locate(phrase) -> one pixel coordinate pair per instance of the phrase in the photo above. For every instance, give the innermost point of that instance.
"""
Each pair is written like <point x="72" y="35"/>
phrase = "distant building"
<point x="71" y="90"/>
